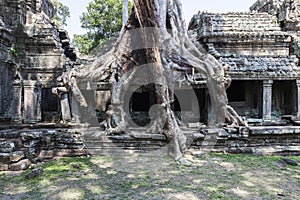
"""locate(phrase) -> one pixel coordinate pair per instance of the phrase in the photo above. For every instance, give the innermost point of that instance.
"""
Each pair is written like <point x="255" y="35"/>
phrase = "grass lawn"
<point x="155" y="176"/>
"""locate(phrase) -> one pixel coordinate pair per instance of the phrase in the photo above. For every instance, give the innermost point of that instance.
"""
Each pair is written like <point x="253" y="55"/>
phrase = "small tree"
<point x="102" y="19"/>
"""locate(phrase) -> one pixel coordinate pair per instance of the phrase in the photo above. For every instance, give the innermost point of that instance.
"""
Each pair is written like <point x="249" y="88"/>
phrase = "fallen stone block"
<point x="21" y="165"/>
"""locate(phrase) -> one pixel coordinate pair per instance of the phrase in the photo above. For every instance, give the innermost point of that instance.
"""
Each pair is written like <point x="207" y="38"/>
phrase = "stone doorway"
<point x="284" y="98"/>
<point x="246" y="97"/>
<point x="49" y="106"/>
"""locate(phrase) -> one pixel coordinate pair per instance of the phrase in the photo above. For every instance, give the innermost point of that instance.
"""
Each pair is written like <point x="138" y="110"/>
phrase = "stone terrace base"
<point x="19" y="148"/>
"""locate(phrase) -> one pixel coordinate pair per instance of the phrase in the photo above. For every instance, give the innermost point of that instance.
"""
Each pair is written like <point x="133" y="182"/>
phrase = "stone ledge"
<point x="275" y="130"/>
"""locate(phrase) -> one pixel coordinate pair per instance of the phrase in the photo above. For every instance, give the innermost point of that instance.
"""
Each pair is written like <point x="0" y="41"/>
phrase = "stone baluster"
<point x="267" y="99"/>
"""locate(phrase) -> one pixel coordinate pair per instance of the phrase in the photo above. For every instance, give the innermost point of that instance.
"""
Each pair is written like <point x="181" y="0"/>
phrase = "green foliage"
<point x="13" y="51"/>
<point x="84" y="42"/>
<point x="102" y="19"/>
<point x="62" y="13"/>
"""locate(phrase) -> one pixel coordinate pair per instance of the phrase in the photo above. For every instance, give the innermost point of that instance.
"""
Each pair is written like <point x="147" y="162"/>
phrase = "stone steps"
<point x="98" y="143"/>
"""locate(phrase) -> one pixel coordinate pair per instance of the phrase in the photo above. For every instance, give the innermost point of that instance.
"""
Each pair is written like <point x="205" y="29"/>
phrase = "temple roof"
<point x="262" y="63"/>
<point x="237" y="23"/>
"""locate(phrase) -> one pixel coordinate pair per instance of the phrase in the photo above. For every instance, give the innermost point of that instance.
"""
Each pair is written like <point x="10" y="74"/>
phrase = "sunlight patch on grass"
<point x="241" y="193"/>
<point x="71" y="193"/>
<point x="248" y="183"/>
<point x="185" y="195"/>
<point x="228" y="165"/>
<point x="95" y="189"/>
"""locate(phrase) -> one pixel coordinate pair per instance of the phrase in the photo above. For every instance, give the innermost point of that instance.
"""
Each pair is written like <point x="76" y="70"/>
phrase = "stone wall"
<point x="20" y="148"/>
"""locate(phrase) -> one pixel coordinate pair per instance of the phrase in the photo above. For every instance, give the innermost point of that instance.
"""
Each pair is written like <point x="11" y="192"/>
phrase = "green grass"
<point x="218" y="176"/>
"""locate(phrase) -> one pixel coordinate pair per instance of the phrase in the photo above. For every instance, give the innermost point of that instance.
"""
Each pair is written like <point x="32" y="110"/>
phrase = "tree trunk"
<point x="154" y="47"/>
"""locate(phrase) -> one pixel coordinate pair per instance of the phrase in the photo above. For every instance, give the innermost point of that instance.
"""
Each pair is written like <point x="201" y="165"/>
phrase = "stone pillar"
<point x="298" y="98"/>
<point x="65" y="108"/>
<point x="17" y="101"/>
<point x="38" y="91"/>
<point x="208" y="107"/>
<point x="1" y="99"/>
<point x="267" y="99"/>
<point x="32" y="95"/>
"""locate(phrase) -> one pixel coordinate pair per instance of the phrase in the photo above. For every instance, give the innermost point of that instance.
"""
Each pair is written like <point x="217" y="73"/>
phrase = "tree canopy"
<point x="62" y="13"/>
<point x="102" y="19"/>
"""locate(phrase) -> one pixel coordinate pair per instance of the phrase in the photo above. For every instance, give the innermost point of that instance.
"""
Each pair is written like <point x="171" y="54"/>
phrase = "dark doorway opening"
<point x="49" y="106"/>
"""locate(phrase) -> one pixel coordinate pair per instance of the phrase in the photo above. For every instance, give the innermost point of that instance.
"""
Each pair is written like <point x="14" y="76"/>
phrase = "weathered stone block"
<point x="4" y="157"/>
<point x="46" y="154"/>
<point x="6" y="146"/>
<point x="31" y="143"/>
<point x="222" y="133"/>
<point x="194" y="125"/>
<point x="70" y="146"/>
<point x="71" y="152"/>
<point x="21" y="165"/>
<point x="17" y="156"/>
<point x="198" y="136"/>
<point x="9" y="134"/>
<point x="31" y="152"/>
<point x="68" y="139"/>
<point x="4" y="167"/>
<point x="31" y="135"/>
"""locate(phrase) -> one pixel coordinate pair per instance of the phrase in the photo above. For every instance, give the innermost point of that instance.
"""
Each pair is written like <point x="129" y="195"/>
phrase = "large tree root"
<point x="156" y="34"/>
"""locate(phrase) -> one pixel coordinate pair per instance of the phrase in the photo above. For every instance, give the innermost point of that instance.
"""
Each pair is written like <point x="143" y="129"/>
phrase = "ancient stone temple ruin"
<point x="259" y="50"/>
<point x="33" y="53"/>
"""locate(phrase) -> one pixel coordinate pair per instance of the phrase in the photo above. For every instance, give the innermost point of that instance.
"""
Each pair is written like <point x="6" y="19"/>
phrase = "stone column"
<point x="1" y="99"/>
<point x="32" y="111"/>
<point x="65" y="108"/>
<point x="267" y="99"/>
<point x="17" y="101"/>
<point x="298" y="98"/>
<point x="38" y="91"/>
<point x="208" y="105"/>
